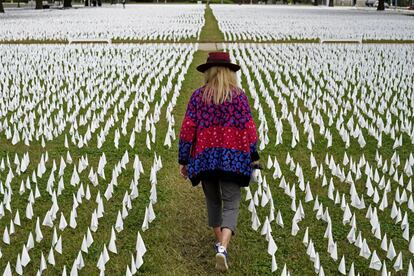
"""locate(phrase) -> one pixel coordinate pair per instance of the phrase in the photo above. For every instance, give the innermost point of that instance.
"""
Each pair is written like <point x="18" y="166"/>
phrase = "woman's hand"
<point x="183" y="171"/>
<point x="255" y="164"/>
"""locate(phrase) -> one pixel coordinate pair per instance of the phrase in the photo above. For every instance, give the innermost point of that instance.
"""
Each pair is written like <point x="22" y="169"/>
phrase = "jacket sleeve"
<point x="187" y="132"/>
<point x="252" y="132"/>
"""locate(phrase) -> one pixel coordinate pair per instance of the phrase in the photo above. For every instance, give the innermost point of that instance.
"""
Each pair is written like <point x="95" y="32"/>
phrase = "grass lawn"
<point x="291" y="249"/>
<point x="179" y="242"/>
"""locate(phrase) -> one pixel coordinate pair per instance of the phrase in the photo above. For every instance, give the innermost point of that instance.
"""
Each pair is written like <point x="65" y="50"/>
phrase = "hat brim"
<point x="203" y="67"/>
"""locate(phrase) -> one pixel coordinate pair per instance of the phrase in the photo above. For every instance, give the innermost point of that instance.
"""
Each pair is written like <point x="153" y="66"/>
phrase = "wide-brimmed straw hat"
<point x="218" y="59"/>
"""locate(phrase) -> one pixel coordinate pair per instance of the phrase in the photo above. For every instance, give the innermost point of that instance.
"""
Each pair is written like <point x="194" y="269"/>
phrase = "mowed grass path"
<point x="180" y="242"/>
<point x="210" y="31"/>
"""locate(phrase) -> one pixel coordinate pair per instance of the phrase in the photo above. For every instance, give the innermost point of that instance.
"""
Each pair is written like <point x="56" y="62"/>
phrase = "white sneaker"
<point x="221" y="259"/>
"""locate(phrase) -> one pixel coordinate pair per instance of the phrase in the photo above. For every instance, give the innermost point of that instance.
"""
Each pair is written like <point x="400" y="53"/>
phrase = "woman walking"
<point x="217" y="147"/>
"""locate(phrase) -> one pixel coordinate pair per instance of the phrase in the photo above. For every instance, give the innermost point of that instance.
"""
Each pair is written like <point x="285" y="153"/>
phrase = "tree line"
<point x="66" y="4"/>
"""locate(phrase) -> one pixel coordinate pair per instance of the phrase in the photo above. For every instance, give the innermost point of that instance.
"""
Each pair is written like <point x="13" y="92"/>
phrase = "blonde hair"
<point x="220" y="84"/>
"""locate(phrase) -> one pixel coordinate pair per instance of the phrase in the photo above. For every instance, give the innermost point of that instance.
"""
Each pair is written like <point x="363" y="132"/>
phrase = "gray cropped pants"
<point x="223" y="202"/>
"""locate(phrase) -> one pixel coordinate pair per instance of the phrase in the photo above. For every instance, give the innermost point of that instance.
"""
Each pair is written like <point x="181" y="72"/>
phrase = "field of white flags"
<point x="79" y="131"/>
<point x="336" y="132"/>
<point x="135" y="22"/>
<point x="266" y="23"/>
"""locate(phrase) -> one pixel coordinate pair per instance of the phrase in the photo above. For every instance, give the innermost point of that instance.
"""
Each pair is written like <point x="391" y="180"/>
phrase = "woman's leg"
<point x="226" y="234"/>
<point x="230" y="193"/>
<point x="213" y="200"/>
<point x="217" y="233"/>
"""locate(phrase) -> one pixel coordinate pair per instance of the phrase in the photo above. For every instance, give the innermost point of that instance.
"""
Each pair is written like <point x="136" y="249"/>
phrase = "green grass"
<point x="248" y="248"/>
<point x="72" y="238"/>
<point x="179" y="242"/>
<point x="291" y="250"/>
<point x="175" y="238"/>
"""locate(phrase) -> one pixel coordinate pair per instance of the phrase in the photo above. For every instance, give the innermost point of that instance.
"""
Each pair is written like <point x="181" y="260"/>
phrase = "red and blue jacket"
<point x="218" y="141"/>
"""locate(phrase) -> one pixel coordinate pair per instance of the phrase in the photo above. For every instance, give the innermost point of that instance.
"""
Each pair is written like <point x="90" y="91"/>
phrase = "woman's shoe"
<point x="216" y="246"/>
<point x="221" y="259"/>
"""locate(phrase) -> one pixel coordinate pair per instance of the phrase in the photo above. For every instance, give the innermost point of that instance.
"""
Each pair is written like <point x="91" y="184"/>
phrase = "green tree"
<point x="67" y="3"/>
<point x="39" y="4"/>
